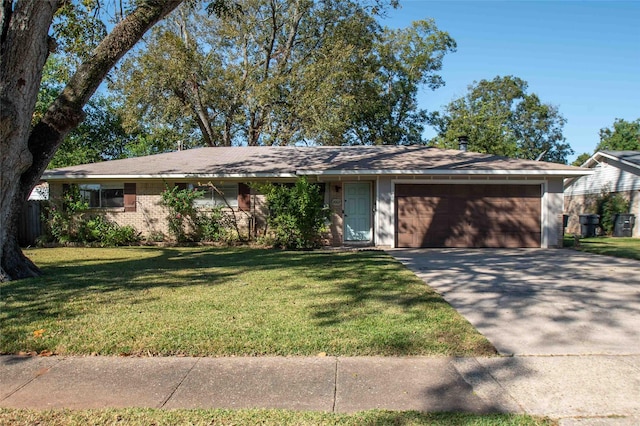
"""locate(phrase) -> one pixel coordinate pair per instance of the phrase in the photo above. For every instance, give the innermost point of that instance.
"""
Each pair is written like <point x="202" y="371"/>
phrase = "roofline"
<point x="65" y="176"/>
<point x="613" y="157"/>
<point x="587" y="164"/>
<point x="439" y="172"/>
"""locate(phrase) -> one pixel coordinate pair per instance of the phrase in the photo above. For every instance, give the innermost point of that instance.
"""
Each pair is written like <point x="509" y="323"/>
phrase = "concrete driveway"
<point x="538" y="302"/>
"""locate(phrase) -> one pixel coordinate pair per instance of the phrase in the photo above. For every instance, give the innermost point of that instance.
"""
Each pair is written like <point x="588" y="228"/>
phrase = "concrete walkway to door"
<point x="538" y="302"/>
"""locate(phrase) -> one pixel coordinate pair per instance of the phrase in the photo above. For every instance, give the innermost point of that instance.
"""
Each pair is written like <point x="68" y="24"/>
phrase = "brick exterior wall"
<point x="575" y="206"/>
<point x="150" y="217"/>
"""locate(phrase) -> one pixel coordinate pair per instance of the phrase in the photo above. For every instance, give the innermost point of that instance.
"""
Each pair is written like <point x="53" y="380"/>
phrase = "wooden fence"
<point x="30" y="226"/>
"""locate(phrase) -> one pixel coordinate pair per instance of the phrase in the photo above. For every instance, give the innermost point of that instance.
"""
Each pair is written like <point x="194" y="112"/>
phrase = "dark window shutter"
<point x="129" y="197"/>
<point x="244" y="197"/>
<point x="65" y="190"/>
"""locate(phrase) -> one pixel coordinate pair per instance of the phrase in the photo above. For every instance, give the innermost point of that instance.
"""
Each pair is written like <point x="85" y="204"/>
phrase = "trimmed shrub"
<point x="297" y="214"/>
<point x="608" y="205"/>
<point x="183" y="215"/>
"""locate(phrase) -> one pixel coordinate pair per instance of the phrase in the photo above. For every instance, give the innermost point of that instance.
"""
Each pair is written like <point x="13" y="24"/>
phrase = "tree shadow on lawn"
<point x="393" y="311"/>
<point x="354" y="285"/>
<point x="66" y="285"/>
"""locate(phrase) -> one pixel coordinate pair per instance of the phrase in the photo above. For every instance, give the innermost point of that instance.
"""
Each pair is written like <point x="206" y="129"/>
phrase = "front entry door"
<point x="357" y="211"/>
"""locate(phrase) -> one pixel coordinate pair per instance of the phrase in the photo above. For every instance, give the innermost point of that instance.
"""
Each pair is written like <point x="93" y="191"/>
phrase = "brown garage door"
<point x="467" y="215"/>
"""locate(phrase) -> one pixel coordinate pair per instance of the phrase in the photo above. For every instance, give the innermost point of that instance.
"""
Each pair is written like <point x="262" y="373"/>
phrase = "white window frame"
<point x="100" y="188"/>
<point x="212" y="199"/>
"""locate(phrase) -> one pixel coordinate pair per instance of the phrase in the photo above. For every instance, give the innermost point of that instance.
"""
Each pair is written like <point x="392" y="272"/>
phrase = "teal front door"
<point x="357" y="211"/>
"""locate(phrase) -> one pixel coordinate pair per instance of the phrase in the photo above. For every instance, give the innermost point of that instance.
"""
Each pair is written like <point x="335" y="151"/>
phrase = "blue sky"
<point x="581" y="56"/>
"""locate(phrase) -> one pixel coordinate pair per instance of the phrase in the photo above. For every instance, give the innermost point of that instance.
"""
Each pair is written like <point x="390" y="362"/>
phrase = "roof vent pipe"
<point x="463" y="142"/>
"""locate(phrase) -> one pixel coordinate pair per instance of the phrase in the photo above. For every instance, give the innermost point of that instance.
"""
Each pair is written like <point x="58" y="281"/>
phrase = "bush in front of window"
<point x="183" y="215"/>
<point x="214" y="225"/>
<point x="68" y="221"/>
<point x="108" y="234"/>
<point x="64" y="216"/>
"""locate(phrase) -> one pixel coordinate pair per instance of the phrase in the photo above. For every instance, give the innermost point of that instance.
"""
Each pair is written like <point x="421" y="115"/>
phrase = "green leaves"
<point x="499" y="117"/>
<point x="78" y="30"/>
<point x="623" y="136"/>
<point x="297" y="214"/>
<point x="183" y="215"/>
<point x="608" y="204"/>
<point x="282" y="72"/>
<point x="399" y="64"/>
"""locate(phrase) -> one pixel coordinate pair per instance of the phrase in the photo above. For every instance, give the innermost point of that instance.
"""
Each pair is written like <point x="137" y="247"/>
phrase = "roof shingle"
<point x="283" y="161"/>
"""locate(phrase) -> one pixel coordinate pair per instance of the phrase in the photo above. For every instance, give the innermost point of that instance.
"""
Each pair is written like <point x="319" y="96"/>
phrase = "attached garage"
<point x="464" y="215"/>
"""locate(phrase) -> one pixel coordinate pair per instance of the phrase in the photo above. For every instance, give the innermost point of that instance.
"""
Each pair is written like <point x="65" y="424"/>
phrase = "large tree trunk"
<point x="24" y="50"/>
<point x="27" y="151"/>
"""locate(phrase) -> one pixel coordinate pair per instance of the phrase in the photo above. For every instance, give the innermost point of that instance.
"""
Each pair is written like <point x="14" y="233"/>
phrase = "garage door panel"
<point x="426" y="206"/>
<point x="499" y="221"/>
<point x="405" y="240"/>
<point x="468" y="215"/>
<point x="412" y="206"/>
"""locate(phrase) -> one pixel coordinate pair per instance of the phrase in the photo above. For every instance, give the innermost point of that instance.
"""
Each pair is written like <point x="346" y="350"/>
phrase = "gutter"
<point x="70" y="175"/>
<point x="442" y="172"/>
<point x="52" y="176"/>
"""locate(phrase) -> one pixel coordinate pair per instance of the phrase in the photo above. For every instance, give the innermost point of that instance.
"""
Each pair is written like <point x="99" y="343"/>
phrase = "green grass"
<point x="619" y="247"/>
<point x="146" y="417"/>
<point x="231" y="301"/>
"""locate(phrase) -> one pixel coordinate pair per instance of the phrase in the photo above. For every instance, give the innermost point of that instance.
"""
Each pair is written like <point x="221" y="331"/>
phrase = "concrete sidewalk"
<point x="580" y="390"/>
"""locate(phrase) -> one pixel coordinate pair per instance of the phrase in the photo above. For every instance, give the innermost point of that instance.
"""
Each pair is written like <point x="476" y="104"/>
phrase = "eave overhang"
<point x="54" y="175"/>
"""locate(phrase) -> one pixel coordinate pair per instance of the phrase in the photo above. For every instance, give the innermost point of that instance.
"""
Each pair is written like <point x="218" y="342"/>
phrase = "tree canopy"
<point x="500" y="117"/>
<point x="277" y="72"/>
<point x="622" y="136"/>
<point x="100" y="136"/>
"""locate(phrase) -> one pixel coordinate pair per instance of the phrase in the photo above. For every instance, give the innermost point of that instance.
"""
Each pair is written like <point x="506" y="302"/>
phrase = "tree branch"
<point x="66" y="111"/>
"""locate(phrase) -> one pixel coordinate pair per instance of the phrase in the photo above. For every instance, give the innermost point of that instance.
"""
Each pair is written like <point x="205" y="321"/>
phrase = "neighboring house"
<point x="386" y="196"/>
<point x="40" y="192"/>
<point x="613" y="171"/>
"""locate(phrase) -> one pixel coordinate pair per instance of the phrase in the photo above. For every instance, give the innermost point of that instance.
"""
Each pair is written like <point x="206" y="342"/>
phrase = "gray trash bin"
<point x="588" y="225"/>
<point x="623" y="225"/>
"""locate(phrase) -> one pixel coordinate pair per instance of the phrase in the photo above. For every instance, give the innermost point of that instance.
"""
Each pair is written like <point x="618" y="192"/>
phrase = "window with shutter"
<point x="103" y="195"/>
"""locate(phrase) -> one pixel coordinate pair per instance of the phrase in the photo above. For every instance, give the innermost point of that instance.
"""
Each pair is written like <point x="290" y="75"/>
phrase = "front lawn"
<point x="618" y="247"/>
<point x="227" y="301"/>
<point x="143" y="417"/>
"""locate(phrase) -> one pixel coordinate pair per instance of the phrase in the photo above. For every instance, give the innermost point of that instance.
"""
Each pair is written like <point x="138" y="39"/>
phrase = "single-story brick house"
<point x="613" y="171"/>
<point x="386" y="196"/>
